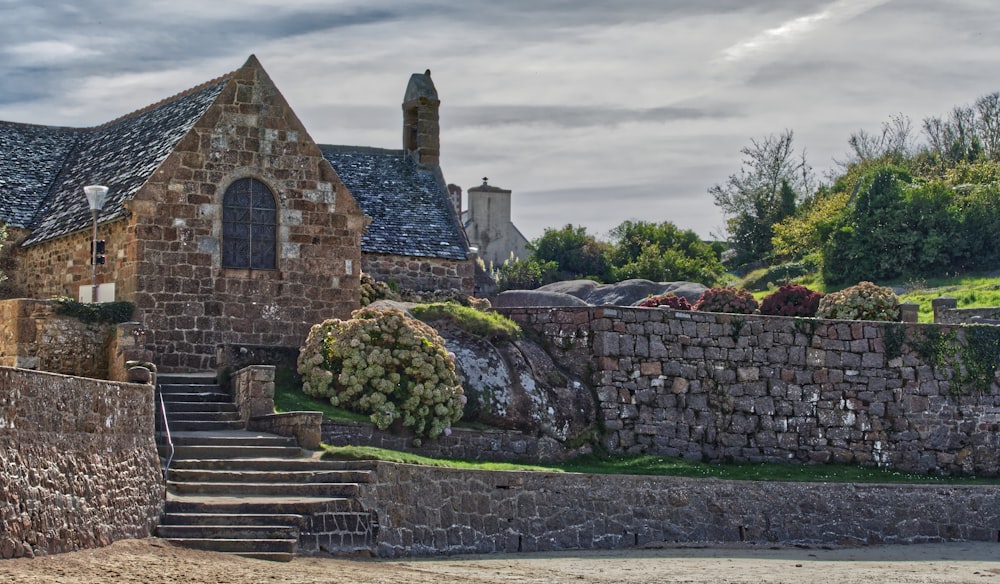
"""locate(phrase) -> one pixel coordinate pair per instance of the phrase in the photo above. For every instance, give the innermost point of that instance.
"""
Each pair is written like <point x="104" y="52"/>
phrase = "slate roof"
<point x="43" y="169"/>
<point x="409" y="206"/>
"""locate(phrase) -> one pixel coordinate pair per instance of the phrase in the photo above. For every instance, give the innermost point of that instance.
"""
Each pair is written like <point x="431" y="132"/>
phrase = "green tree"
<point x="771" y="180"/>
<point x="662" y="252"/>
<point x="576" y="253"/>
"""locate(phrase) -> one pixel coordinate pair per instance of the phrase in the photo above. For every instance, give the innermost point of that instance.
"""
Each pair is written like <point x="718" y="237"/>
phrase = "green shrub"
<point x="780" y="274"/>
<point x="492" y="326"/>
<point x="866" y="301"/>
<point x="727" y="299"/>
<point x="382" y="363"/>
<point x="518" y="274"/>
<point x="791" y="300"/>
<point x="109" y="312"/>
<point x="668" y="300"/>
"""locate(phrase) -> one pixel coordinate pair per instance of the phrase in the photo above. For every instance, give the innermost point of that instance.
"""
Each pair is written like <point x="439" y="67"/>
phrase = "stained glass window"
<point x="249" y="226"/>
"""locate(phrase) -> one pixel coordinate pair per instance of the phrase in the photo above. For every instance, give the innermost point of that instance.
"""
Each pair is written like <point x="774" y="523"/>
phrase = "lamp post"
<point x="95" y="200"/>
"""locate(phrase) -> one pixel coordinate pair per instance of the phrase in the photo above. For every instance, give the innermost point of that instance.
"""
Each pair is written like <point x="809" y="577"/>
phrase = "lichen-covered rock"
<point x="518" y="386"/>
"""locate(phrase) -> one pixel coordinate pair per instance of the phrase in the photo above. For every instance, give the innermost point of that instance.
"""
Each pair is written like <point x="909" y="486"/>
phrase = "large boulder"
<point x="535" y="299"/>
<point x="517" y="385"/>
<point x="588" y="292"/>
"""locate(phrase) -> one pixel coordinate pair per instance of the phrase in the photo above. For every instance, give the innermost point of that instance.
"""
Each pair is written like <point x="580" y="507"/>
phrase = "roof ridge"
<point x="165" y="100"/>
<point x="41" y="126"/>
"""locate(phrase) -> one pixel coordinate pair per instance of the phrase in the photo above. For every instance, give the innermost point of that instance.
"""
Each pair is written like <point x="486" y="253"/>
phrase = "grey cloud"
<point x="576" y="116"/>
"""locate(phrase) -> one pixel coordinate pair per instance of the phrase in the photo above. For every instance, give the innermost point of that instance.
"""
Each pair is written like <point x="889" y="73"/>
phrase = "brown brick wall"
<point x="421" y="273"/>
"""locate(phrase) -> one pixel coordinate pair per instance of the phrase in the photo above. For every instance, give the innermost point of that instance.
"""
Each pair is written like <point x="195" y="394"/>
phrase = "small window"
<point x="249" y="226"/>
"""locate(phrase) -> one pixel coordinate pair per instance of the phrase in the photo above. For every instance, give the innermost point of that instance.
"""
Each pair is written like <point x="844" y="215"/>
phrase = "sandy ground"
<point x="152" y="561"/>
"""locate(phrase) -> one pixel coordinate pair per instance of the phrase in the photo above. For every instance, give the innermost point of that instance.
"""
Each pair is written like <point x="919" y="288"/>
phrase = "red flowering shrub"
<point x="668" y="300"/>
<point x="791" y="300"/>
<point x="727" y="299"/>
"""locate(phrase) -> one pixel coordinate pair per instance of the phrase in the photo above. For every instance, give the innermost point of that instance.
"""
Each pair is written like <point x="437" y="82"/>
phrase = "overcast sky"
<point x="590" y="112"/>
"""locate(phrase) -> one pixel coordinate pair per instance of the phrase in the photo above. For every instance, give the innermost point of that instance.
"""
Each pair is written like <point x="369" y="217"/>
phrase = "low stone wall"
<point x="253" y="392"/>
<point x="79" y="463"/>
<point x="421" y="273"/>
<point x="34" y="336"/>
<point x="427" y="510"/>
<point x="464" y="443"/>
<point x="719" y="387"/>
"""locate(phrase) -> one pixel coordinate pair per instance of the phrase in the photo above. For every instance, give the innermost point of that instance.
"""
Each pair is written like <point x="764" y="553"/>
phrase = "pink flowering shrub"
<point x="727" y="299"/>
<point x="866" y="301"/>
<point x="383" y="363"/>
<point x="668" y="300"/>
<point x="791" y="300"/>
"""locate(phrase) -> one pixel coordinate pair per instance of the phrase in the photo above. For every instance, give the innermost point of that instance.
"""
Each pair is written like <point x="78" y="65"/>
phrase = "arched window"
<point x="249" y="226"/>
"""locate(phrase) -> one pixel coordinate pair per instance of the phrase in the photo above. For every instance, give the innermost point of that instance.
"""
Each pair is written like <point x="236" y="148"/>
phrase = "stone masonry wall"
<point x="425" y="510"/>
<point x="421" y="273"/>
<point x="753" y="388"/>
<point x="188" y="301"/>
<point x="60" y="266"/>
<point x="33" y="336"/>
<point x="76" y="473"/>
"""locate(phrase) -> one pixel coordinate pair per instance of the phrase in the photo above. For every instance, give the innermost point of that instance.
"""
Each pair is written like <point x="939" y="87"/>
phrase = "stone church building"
<point x="225" y="223"/>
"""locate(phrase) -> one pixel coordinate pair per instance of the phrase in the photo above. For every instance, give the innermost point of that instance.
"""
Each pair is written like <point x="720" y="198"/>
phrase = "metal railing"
<point x="166" y="430"/>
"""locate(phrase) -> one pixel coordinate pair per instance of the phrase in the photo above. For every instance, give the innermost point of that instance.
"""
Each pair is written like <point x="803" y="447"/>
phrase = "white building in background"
<point x="488" y="225"/>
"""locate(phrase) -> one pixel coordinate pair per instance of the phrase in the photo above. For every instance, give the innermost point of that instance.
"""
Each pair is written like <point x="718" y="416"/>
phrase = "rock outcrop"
<point x="588" y="292"/>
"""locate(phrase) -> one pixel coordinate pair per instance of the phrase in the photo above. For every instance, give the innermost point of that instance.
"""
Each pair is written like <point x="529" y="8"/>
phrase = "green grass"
<point x="288" y="397"/>
<point x="771" y="471"/>
<point x="372" y="453"/>
<point x="650" y="465"/>
<point x="492" y="326"/>
<point x="969" y="291"/>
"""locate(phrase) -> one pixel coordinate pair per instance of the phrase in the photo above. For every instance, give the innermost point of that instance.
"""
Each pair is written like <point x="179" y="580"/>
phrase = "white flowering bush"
<point x="866" y="301"/>
<point x="383" y="363"/>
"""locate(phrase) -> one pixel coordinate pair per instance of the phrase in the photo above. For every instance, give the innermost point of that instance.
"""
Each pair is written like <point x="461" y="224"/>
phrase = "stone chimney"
<point x="421" y="130"/>
<point x="455" y="194"/>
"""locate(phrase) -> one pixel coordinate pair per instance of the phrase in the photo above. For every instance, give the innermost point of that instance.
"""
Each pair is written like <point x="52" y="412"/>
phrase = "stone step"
<point x="272" y="464"/>
<point x="268" y="549"/>
<point x="203" y="416"/>
<point x="257" y="504"/>
<point x="262" y="531"/>
<point x="174" y="407"/>
<point x="186" y="378"/>
<point x="204" y="425"/>
<point x="265" y="489"/>
<point x="197" y="396"/>
<point x="263" y="476"/>
<point x="246" y="519"/>
<point x="232" y="438"/>
<point x="214" y="451"/>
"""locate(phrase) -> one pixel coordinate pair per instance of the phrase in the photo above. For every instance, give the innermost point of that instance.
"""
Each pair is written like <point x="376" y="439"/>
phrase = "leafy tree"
<point x="897" y="227"/>
<point x="576" y="253"/>
<point x="771" y="181"/>
<point x="804" y="234"/>
<point x="662" y="252"/>
<point x="518" y="274"/>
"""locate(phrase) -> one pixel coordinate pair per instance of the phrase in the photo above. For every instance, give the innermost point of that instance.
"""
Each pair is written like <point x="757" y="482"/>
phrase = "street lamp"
<point x="95" y="200"/>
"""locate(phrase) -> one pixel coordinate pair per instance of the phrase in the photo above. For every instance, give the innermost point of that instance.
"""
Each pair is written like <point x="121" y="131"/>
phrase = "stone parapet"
<point x="80" y="463"/>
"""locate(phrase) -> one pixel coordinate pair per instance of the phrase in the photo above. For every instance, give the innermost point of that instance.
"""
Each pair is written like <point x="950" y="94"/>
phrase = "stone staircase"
<point x="251" y="493"/>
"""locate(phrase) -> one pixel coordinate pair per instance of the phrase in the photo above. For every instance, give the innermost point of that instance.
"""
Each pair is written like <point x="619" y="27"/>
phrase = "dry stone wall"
<point x="78" y="461"/>
<point x="722" y="387"/>
<point x="34" y="336"/>
<point x="425" y="511"/>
